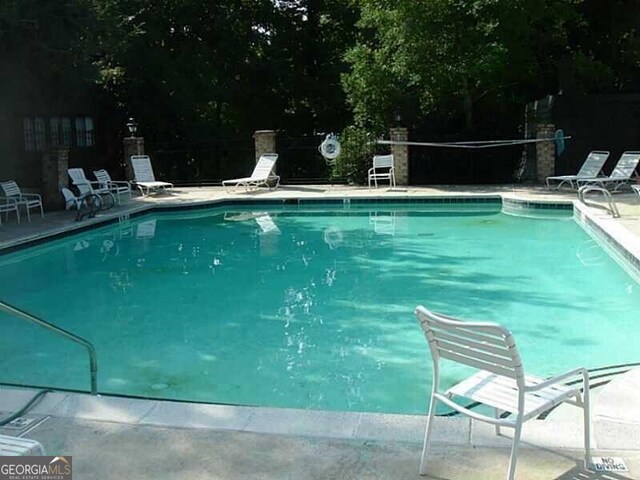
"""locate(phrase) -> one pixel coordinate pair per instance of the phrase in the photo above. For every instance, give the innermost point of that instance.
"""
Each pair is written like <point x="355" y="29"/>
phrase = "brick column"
<point x="545" y="152"/>
<point x="132" y="146"/>
<point x="400" y="155"/>
<point x="265" y="142"/>
<point x="55" y="163"/>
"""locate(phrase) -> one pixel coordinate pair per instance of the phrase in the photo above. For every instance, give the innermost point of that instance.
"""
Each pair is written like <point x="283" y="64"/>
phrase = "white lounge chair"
<point x="591" y="168"/>
<point x="115" y="186"/>
<point x="382" y="169"/>
<point x="262" y="174"/>
<point x="13" y="194"/>
<point x="621" y="175"/>
<point x="145" y="180"/>
<point x="500" y="381"/>
<point x="88" y="188"/>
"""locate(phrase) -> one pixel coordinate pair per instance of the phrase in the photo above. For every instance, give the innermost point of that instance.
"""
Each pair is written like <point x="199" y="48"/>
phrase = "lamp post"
<point x="132" y="126"/>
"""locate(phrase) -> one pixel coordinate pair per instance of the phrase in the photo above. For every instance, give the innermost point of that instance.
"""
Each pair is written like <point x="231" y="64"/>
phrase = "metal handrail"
<point x="607" y="195"/>
<point x="93" y="361"/>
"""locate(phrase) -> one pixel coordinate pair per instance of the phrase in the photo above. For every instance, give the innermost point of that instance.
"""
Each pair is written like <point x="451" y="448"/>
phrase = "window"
<point x="55" y="131"/>
<point x="81" y="137"/>
<point x="41" y="140"/>
<point x="29" y="140"/>
<point x="66" y="132"/>
<point x="60" y="131"/>
<point x="88" y="131"/>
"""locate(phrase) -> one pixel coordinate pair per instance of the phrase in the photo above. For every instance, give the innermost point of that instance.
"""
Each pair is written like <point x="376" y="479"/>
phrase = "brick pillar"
<point x="132" y="146"/>
<point x="55" y="163"/>
<point x="400" y="154"/>
<point x="545" y="152"/>
<point x="265" y="142"/>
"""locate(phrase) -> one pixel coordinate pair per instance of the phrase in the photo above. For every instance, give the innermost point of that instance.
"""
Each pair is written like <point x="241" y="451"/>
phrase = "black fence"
<point x="210" y="162"/>
<point x="204" y="163"/>
<point x="438" y="165"/>
<point x="299" y="160"/>
<point x="596" y="122"/>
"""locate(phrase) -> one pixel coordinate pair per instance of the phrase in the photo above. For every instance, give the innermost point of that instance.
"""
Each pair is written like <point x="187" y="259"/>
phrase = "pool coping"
<point x="608" y="434"/>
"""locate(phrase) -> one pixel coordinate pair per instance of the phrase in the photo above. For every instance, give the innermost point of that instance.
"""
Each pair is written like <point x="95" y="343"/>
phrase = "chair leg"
<point x="28" y="213"/>
<point x="427" y="436"/>
<point x="587" y="429"/>
<point x="514" y="450"/>
<point x="497" y="413"/>
<point x="41" y="211"/>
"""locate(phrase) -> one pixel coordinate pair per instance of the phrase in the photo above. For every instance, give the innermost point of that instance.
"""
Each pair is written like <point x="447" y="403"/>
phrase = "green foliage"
<point x="358" y="147"/>
<point x="45" y="48"/>
<point x="417" y="58"/>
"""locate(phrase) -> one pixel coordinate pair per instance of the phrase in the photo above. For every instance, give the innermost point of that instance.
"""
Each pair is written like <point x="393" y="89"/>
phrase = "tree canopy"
<point x="189" y="69"/>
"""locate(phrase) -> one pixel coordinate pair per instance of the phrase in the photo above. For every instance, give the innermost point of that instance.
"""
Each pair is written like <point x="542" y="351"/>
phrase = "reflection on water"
<point x="305" y="308"/>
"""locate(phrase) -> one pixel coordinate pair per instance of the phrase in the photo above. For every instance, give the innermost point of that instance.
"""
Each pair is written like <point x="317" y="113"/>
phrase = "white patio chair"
<point x="262" y="174"/>
<point x="145" y="179"/>
<point x="13" y="194"/>
<point x="9" y="206"/>
<point x="591" y="168"/>
<point x="500" y="381"/>
<point x="621" y="175"/>
<point x="73" y="201"/>
<point x="115" y="186"/>
<point x="382" y="169"/>
<point x="87" y="187"/>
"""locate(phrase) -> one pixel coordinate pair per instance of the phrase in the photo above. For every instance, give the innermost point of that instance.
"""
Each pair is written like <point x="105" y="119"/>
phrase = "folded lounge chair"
<point x="13" y="194"/>
<point x="621" y="175"/>
<point x="262" y="174"/>
<point x="500" y="381"/>
<point x="145" y="180"/>
<point x="591" y="168"/>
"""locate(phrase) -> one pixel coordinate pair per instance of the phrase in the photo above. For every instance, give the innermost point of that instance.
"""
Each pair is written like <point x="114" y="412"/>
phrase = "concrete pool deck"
<point x="184" y="440"/>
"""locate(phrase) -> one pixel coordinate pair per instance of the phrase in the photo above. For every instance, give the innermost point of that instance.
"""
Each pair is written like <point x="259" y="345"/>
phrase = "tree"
<point x="416" y="58"/>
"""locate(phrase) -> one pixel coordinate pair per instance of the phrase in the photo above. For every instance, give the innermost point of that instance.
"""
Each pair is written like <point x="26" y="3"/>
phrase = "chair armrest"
<point x="10" y="200"/>
<point x="32" y="195"/>
<point x="560" y="378"/>
<point x="371" y="170"/>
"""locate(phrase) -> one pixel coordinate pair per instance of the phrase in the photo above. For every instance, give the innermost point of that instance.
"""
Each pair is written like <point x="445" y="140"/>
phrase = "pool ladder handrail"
<point x="613" y="208"/>
<point x="93" y="361"/>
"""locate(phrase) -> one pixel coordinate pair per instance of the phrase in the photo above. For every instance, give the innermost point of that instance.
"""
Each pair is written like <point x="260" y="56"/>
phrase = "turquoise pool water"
<point x="282" y="306"/>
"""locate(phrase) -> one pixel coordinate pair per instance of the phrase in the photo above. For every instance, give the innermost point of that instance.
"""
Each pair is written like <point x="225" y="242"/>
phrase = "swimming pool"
<point x="308" y="307"/>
